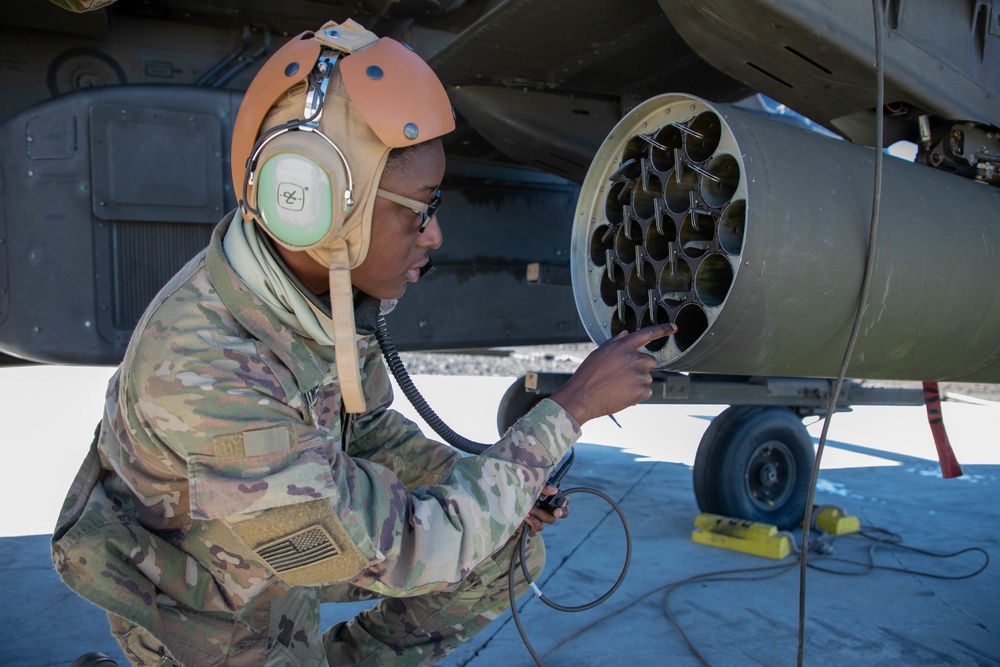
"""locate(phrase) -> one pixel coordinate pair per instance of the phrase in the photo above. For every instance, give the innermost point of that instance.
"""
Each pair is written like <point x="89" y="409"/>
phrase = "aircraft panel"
<point x="149" y="164"/>
<point x="818" y="58"/>
<point x="102" y="220"/>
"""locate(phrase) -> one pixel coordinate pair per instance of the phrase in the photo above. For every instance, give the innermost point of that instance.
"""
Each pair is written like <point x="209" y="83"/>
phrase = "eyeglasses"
<point x="428" y="211"/>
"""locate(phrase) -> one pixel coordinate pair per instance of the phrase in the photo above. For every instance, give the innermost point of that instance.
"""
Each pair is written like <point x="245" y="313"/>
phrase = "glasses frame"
<point x="427" y="210"/>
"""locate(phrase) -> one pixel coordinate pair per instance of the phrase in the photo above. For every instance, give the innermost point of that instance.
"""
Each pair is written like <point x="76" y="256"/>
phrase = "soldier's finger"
<point x="616" y="339"/>
<point x="541" y="515"/>
<point x="649" y="334"/>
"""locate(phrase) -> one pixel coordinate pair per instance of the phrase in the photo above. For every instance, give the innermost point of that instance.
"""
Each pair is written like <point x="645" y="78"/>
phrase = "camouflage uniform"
<point x="222" y="426"/>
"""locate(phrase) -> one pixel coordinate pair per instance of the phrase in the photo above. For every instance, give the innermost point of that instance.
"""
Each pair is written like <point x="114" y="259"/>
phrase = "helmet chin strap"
<point x="342" y="316"/>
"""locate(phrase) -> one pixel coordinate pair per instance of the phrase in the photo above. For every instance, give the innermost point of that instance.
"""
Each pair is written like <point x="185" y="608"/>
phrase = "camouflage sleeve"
<point x="82" y="5"/>
<point x="454" y="525"/>
<point x="217" y="407"/>
<point x="386" y="437"/>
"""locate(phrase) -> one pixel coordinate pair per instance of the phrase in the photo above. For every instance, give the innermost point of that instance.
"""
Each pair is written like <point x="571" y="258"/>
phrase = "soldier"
<point x="247" y="466"/>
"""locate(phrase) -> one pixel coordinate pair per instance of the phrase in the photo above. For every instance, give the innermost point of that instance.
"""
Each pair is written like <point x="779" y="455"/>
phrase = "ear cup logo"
<point x="291" y="196"/>
<point x="296" y="199"/>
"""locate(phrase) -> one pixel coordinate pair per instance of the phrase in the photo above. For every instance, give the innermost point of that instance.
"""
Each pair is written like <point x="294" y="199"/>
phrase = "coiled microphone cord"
<point x="425" y="411"/>
<point x="520" y="555"/>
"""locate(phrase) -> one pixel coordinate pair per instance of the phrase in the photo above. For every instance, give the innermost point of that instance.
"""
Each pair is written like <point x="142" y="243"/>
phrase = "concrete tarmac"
<point x="889" y="606"/>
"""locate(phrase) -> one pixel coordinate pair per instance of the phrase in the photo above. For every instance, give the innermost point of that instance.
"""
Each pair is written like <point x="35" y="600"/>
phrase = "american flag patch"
<point x="306" y="547"/>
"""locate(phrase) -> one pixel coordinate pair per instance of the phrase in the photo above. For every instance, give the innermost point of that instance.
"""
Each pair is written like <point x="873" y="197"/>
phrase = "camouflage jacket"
<point x="223" y="441"/>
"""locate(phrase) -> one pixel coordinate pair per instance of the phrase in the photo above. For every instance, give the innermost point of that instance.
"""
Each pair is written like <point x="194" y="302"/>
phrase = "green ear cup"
<point x="295" y="199"/>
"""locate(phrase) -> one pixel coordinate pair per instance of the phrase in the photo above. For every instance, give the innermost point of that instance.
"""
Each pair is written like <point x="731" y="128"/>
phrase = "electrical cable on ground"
<point x="822" y="550"/>
<point x="883" y="537"/>
<point x="880" y="537"/>
<point x="855" y="329"/>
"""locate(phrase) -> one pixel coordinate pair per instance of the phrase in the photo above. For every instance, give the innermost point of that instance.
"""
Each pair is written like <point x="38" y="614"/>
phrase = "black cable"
<point x="883" y="537"/>
<point x="856" y="328"/>
<point x="398" y="370"/>
<point x="520" y="556"/>
<point x="880" y="536"/>
<point x="426" y="412"/>
<point x="725" y="575"/>
<point x="625" y="566"/>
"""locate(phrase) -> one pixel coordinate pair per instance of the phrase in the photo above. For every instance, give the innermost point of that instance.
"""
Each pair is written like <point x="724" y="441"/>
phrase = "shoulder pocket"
<point x="224" y="486"/>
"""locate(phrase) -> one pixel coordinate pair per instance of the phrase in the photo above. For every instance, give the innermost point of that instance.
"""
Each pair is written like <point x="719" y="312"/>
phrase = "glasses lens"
<point x="432" y="208"/>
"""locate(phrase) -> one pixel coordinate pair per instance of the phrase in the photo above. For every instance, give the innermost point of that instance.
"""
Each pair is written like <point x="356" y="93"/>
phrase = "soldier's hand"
<point x="613" y="377"/>
<point x="538" y="517"/>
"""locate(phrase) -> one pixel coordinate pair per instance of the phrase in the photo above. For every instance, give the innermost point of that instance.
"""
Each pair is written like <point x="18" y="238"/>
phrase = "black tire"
<point x="756" y="466"/>
<point x="516" y="402"/>
<point x="705" y="466"/>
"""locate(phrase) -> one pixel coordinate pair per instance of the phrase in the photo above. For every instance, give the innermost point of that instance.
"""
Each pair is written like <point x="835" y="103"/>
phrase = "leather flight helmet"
<point x="310" y="142"/>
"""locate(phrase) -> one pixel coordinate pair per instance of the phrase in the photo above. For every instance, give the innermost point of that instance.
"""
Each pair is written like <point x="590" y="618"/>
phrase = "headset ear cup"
<point x="295" y="199"/>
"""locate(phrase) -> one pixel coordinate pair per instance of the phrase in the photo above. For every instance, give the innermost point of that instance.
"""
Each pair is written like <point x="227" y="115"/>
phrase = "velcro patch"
<point x="306" y="547"/>
<point x="253" y="443"/>
<point x="304" y="544"/>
